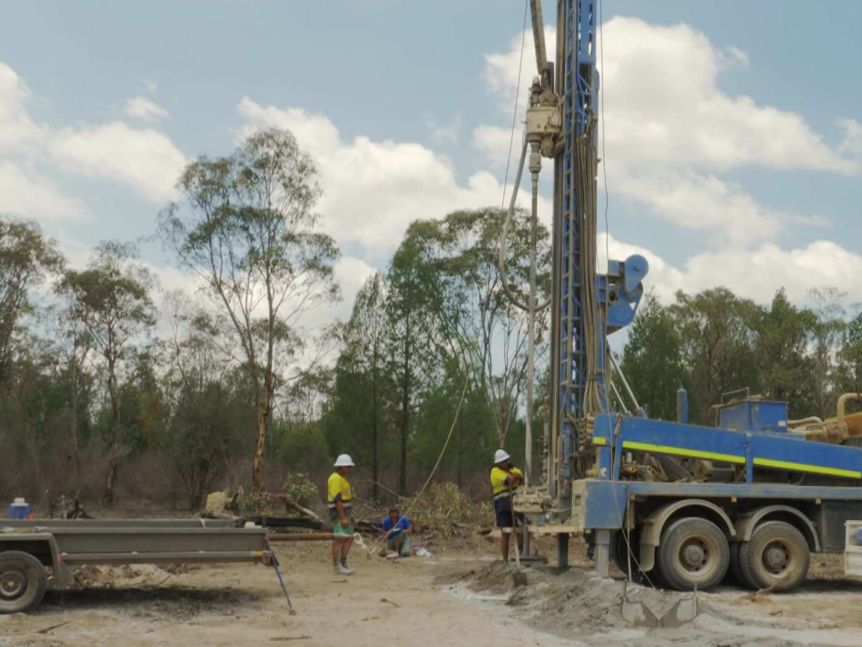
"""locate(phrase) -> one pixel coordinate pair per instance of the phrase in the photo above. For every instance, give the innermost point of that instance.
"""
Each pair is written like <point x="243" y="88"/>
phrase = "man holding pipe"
<point x="505" y="479"/>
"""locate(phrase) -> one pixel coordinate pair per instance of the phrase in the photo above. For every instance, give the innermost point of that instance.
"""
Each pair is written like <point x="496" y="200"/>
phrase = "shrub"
<point x="301" y="489"/>
<point x="443" y="508"/>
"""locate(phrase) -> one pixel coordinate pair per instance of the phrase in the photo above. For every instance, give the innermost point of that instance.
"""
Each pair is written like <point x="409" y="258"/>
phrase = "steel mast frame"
<point x="578" y="78"/>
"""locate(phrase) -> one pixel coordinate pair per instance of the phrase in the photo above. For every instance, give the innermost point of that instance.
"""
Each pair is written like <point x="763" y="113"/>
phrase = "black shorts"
<point x="503" y="512"/>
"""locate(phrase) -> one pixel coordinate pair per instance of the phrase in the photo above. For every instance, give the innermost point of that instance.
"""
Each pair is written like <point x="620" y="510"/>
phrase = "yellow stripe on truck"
<point x="683" y="451"/>
<point x="805" y="467"/>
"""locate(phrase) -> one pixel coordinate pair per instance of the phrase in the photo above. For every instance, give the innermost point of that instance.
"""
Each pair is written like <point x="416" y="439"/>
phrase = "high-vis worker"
<point x="505" y="479"/>
<point x="340" y="501"/>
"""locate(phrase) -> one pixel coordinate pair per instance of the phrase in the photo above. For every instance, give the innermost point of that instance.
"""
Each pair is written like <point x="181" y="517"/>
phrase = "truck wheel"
<point x="22" y="582"/>
<point x="776" y="558"/>
<point x="738" y="577"/>
<point x="620" y="552"/>
<point x="694" y="553"/>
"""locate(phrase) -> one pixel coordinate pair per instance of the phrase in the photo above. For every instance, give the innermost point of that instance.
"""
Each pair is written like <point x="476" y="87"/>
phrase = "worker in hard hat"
<point x="340" y="501"/>
<point x="505" y="479"/>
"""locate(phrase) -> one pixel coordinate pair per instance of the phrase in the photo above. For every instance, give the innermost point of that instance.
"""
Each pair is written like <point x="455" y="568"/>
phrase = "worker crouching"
<point x="340" y="501"/>
<point x="505" y="479"/>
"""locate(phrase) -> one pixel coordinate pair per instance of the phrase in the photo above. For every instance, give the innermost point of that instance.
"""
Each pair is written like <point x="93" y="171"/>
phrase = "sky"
<point x="732" y="130"/>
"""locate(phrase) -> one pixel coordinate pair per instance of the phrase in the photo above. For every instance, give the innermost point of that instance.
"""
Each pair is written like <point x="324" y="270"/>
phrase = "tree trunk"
<point x="113" y="468"/>
<point x="405" y="409"/>
<point x="262" y="424"/>
<point x="459" y="476"/>
<point x="114" y="444"/>
<point x="73" y="423"/>
<point x="375" y="466"/>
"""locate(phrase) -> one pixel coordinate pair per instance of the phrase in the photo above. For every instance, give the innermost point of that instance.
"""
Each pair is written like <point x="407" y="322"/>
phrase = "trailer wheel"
<point x="694" y="553"/>
<point x="22" y="581"/>
<point x="776" y="558"/>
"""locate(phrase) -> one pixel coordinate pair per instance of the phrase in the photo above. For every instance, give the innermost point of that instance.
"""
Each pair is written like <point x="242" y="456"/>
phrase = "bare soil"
<point x="454" y="598"/>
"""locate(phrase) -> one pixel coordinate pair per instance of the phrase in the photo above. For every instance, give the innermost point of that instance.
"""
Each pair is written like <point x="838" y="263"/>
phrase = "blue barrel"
<point x="19" y="509"/>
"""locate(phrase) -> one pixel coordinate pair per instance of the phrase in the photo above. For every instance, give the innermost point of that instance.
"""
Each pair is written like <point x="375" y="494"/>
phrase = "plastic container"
<point x="19" y="509"/>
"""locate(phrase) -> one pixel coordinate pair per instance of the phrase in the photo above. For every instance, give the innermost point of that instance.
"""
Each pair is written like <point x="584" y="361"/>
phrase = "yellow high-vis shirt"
<point x="498" y="481"/>
<point x="338" y="489"/>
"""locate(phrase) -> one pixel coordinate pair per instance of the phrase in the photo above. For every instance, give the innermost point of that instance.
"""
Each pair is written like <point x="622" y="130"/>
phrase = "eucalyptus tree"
<point x="26" y="258"/>
<point x="653" y="361"/>
<point x="247" y="228"/>
<point x="359" y="409"/>
<point x="478" y="327"/>
<point x="110" y="301"/>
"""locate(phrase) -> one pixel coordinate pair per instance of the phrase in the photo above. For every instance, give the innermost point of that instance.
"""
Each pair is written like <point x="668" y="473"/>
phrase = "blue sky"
<point x="405" y="103"/>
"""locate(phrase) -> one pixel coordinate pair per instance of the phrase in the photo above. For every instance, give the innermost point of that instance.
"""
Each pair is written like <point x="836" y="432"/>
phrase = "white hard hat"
<point x="344" y="460"/>
<point x="501" y="455"/>
<point x="19" y="501"/>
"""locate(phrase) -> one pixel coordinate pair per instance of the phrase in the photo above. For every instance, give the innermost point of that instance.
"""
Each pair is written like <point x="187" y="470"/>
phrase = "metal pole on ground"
<point x="563" y="550"/>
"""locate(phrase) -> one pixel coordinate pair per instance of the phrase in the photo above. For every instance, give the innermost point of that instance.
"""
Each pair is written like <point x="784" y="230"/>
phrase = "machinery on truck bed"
<point x="38" y="554"/>
<point x="682" y="503"/>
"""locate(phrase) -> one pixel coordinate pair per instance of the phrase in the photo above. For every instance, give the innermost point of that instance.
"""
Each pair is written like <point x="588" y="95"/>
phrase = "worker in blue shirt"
<point x="398" y="528"/>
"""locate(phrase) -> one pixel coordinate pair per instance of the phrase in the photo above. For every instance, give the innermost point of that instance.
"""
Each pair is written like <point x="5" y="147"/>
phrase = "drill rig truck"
<point x="683" y="504"/>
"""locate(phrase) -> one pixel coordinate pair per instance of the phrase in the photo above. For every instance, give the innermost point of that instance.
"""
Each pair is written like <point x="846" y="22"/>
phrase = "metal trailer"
<point x="38" y="554"/>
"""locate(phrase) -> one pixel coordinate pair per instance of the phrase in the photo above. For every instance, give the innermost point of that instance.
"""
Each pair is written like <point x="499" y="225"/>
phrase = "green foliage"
<point x="653" y="361"/>
<point x="304" y="448"/>
<point x="260" y="502"/>
<point x="474" y="436"/>
<point x="301" y="489"/>
<point x="718" y="333"/>
<point x="26" y="257"/>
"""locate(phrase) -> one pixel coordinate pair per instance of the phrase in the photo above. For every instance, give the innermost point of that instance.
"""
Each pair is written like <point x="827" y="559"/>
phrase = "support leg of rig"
<point x="603" y="552"/>
<point x="563" y="550"/>
<point x="275" y="567"/>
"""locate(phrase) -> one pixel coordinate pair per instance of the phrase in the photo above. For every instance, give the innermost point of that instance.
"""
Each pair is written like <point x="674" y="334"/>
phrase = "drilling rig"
<point x="683" y="504"/>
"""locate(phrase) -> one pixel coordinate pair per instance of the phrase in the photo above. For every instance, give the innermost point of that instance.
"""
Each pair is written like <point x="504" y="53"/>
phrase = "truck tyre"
<point x="776" y="558"/>
<point x="694" y="554"/>
<point x="22" y="582"/>
<point x="737" y="576"/>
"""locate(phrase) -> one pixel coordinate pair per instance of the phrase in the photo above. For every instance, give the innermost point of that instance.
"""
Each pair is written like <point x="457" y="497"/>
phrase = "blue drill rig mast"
<point x="686" y="503"/>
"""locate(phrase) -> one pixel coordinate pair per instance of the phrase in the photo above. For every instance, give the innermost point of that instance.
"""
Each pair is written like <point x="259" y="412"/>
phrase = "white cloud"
<point x="446" y="133"/>
<point x="851" y="145"/>
<point x="16" y="127"/>
<point x="501" y="68"/>
<point x="752" y="273"/>
<point x="144" y="159"/>
<point x="671" y="132"/>
<point x="493" y="142"/>
<point x="144" y="109"/>
<point x="374" y="189"/>
<point x="26" y="194"/>
<point x="663" y="105"/>
<point x="701" y="201"/>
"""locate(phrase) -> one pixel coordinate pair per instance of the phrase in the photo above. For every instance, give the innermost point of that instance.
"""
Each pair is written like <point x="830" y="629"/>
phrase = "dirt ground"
<point x="461" y="597"/>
